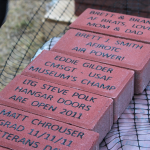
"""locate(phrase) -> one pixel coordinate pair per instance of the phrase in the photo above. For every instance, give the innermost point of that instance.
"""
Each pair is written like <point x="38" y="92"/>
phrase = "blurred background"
<point x="19" y="15"/>
<point x="20" y="36"/>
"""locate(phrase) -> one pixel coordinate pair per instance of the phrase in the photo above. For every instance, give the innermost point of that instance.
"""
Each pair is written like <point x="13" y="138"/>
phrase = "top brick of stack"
<point x="114" y="24"/>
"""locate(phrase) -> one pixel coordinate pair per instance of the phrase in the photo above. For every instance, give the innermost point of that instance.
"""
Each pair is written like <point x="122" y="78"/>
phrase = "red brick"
<point x="141" y="14"/>
<point x="86" y="110"/>
<point x="22" y="130"/>
<point x="105" y="80"/>
<point x="123" y="53"/>
<point x="114" y="24"/>
<point x="3" y="148"/>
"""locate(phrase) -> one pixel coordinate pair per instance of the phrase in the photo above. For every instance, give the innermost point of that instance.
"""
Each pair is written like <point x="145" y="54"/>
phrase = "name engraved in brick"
<point x="72" y="106"/>
<point x="40" y="133"/>
<point x="97" y="78"/>
<point x="110" y="50"/>
<point x="115" y="24"/>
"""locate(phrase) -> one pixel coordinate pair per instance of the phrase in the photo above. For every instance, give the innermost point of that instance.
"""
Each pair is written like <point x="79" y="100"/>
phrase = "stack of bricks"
<point x="69" y="97"/>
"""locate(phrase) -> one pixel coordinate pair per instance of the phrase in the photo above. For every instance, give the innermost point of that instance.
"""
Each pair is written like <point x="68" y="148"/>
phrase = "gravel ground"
<point x="19" y="21"/>
<point x="20" y="12"/>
